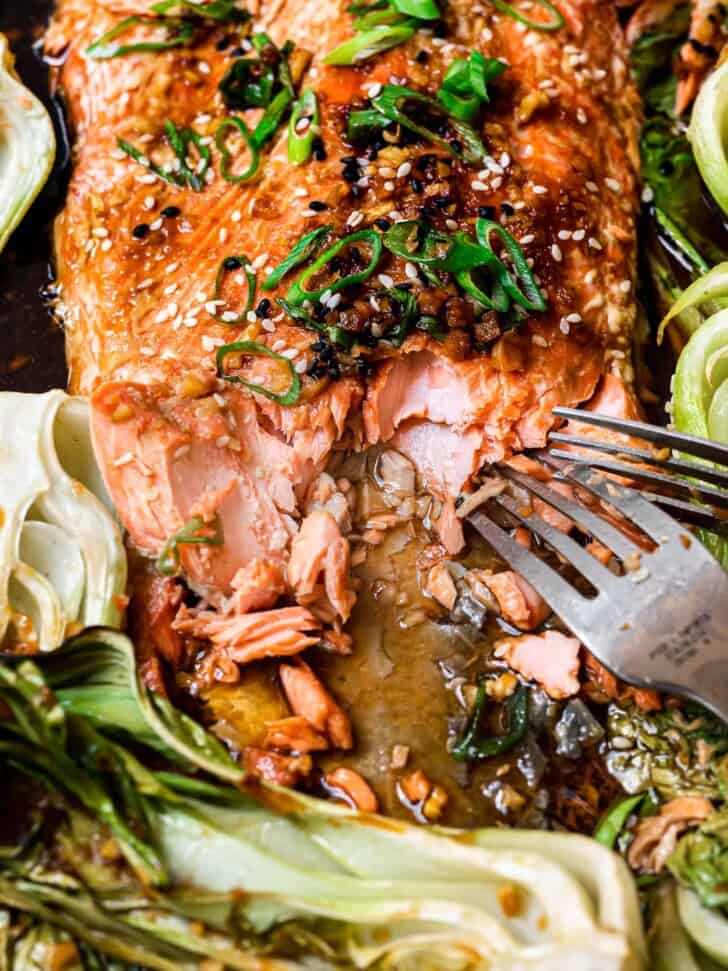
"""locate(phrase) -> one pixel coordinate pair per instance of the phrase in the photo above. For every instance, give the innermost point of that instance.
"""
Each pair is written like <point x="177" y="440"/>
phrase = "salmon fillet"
<point x="176" y="442"/>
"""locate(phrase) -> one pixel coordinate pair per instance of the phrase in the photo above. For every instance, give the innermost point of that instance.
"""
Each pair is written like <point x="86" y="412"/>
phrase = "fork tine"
<point x="564" y="599"/>
<point x="588" y="521"/>
<point x="695" y="470"/>
<point x="599" y="576"/>
<point x="689" y="512"/>
<point x="699" y="447"/>
<point x="685" y="488"/>
<point x="630" y="503"/>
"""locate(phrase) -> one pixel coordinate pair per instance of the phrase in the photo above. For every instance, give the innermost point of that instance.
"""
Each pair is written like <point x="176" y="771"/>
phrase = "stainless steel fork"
<point x="662" y="623"/>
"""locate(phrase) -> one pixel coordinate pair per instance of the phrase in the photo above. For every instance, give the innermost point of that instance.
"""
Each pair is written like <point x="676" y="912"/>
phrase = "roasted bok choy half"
<point x="62" y="559"/>
<point x="161" y="869"/>
<point x="27" y="146"/>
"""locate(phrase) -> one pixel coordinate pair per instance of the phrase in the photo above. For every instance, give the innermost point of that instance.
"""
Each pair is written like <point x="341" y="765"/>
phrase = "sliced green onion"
<point x="612" y="822"/>
<point x="556" y="22"/>
<point x="408" y="311"/>
<point x="223" y="11"/>
<point x="528" y="295"/>
<point x="422" y="9"/>
<point x="363" y="125"/>
<point x="255" y="349"/>
<point x="229" y="265"/>
<point x="268" y="124"/>
<point x="299" y="314"/>
<point x="464" y="88"/>
<point x="188" y="535"/>
<point x="103" y="48"/>
<point x="179" y="139"/>
<point x="297" y="294"/>
<point x="225" y="156"/>
<point x="255" y="82"/>
<point x="417" y="242"/>
<point x="364" y="8"/>
<point x="390" y="101"/>
<point x="368" y="43"/>
<point x="304" y="248"/>
<point x="516" y="707"/>
<point x="300" y="144"/>
<point x="680" y="240"/>
<point x="497" y="299"/>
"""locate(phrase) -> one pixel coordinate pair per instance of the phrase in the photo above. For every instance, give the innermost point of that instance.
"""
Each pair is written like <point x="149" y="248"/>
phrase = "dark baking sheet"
<point x="31" y="343"/>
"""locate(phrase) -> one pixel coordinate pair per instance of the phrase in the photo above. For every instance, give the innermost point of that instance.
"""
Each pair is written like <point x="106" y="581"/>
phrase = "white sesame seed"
<point x="171" y="267"/>
<point x="355" y="218"/>
<point x="223" y="441"/>
<point x="496" y="183"/>
<point x="564" y="326"/>
<point x="386" y="172"/>
<point x="625" y="286"/>
<point x="147" y="351"/>
<point x="590" y="277"/>
<point x="161" y="317"/>
<point x="300" y="366"/>
<point x="581" y="116"/>
<point x="147" y="179"/>
<point x="268" y="325"/>
<point x="574" y="318"/>
<point x="169" y="290"/>
<point x="539" y="340"/>
<point x="157" y="224"/>
<point x="203" y="67"/>
<point x="564" y="234"/>
<point x="479" y="186"/>
<point x="106" y="245"/>
<point x="556" y="252"/>
<point x="300" y="192"/>
<point x="594" y="243"/>
<point x="486" y="33"/>
<point x="410" y="271"/>
<point x="203" y="119"/>
<point x="334" y="301"/>
<point x="505" y="160"/>
<point x="278" y="346"/>
<point x="613" y="185"/>
<point x="591" y="187"/>
<point x="212" y="305"/>
<point x="236" y="216"/>
<point x="149" y="202"/>
<point x="599" y="74"/>
<point x="145" y="284"/>
<point x="648" y="194"/>
<point x="389" y="186"/>
<point x="228" y="316"/>
<point x="528" y="238"/>
<point x="290" y="353"/>
<point x="385" y="280"/>
<point x="374" y="89"/>
<point x="578" y="235"/>
<point x="223" y="234"/>
<point x="100" y="232"/>
<point x="123" y="459"/>
<point x="259" y="261"/>
<point x="404" y="170"/>
<point x="307" y="213"/>
<point x="540" y="190"/>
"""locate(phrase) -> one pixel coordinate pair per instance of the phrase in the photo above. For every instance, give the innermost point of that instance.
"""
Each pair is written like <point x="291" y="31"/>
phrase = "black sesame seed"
<point x="456" y="145"/>
<point x="439" y="29"/>
<point x="223" y="43"/>
<point x="442" y="202"/>
<point x="318" y="346"/>
<point x="403" y="286"/>
<point x="348" y="160"/>
<point x="317" y="206"/>
<point x="416" y="185"/>
<point x="237" y="52"/>
<point x="231" y="263"/>
<point x="319" y="152"/>
<point x="263" y="308"/>
<point x="486" y="212"/>
<point x="666" y="167"/>
<point x="427" y="212"/>
<point x="357" y="191"/>
<point x="351" y="174"/>
<point x="422" y="57"/>
<point x="140" y="231"/>
<point x="171" y="212"/>
<point x="382" y="223"/>
<point x="507" y="209"/>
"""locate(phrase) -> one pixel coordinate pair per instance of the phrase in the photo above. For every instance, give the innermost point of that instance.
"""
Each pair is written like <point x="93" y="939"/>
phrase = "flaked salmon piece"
<point x="441" y="586"/>
<point x="520" y="604"/>
<point x="166" y="459"/>
<point x="656" y="837"/>
<point x="450" y="529"/>
<point x="320" y="552"/>
<point x="645" y="698"/>
<point x="308" y="698"/>
<point x="294" y="734"/>
<point x="273" y="767"/>
<point x="251" y="637"/>
<point x="551" y="659"/>
<point x="256" y="586"/>
<point x="356" y="790"/>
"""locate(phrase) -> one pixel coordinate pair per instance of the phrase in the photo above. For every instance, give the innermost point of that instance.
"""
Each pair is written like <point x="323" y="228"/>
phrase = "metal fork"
<point x="663" y="624"/>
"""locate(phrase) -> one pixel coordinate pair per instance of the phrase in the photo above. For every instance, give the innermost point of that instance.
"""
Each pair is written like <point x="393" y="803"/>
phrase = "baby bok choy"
<point x="251" y="876"/>
<point x="62" y="560"/>
<point x="27" y="146"/>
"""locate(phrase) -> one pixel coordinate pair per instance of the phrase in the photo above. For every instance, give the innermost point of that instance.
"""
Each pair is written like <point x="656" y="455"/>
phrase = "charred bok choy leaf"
<point x="62" y="559"/>
<point x="322" y="886"/>
<point x="27" y="146"/>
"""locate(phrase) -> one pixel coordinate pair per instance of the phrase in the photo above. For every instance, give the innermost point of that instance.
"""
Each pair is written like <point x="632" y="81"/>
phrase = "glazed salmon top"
<point x="155" y="276"/>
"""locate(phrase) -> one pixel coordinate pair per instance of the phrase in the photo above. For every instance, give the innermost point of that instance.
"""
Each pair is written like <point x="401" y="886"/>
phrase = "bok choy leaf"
<point x="27" y="146"/>
<point x="256" y="876"/>
<point x="62" y="559"/>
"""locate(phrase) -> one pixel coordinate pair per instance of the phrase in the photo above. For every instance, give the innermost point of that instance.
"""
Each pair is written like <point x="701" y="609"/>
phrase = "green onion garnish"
<point x="253" y="82"/>
<point x="180" y="140"/>
<point x="556" y="22"/>
<point x="529" y="296"/>
<point x="422" y="9"/>
<point x="268" y="124"/>
<point x="391" y="103"/>
<point x="304" y="248"/>
<point x="469" y="747"/>
<point x="464" y="88"/>
<point x="229" y="265"/>
<point x="290" y="397"/>
<point x="367" y="43"/>
<point x="407" y="303"/>
<point x="300" y="143"/>
<point x="225" y="155"/>
<point x="297" y="294"/>
<point x="188" y="535"/>
<point x="612" y="822"/>
<point x="222" y="11"/>
<point x="180" y="34"/>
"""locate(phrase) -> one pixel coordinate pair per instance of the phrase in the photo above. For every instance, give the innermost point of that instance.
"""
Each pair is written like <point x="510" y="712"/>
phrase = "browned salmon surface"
<point x="147" y="301"/>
